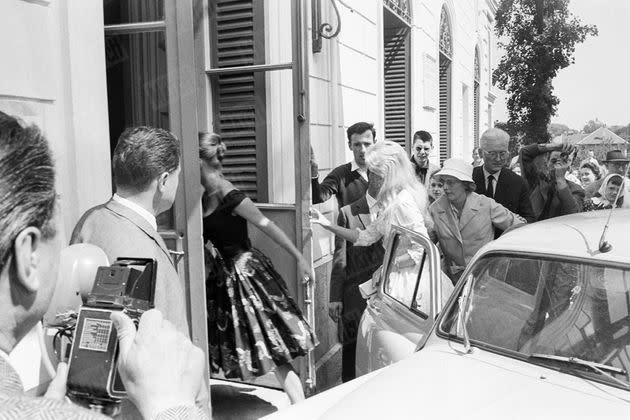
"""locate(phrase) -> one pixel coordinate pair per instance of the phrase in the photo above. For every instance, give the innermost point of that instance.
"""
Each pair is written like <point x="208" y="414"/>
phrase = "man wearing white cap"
<point x="464" y="220"/>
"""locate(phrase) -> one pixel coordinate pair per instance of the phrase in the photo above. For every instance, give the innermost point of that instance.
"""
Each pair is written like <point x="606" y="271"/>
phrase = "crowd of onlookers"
<point x="461" y="205"/>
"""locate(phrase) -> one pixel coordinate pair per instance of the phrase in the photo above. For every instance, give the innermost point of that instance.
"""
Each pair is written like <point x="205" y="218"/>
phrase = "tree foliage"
<point x="539" y="39"/>
<point x="592" y="125"/>
<point x="622" y="131"/>
<point x="556" y="129"/>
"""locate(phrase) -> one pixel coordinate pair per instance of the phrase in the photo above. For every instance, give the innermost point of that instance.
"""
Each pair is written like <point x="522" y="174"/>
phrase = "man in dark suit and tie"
<point x="353" y="265"/>
<point x="496" y="181"/>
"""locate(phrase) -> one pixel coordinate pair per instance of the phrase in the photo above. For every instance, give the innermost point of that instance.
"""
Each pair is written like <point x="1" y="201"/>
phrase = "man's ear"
<point x="26" y="256"/>
<point x="162" y="181"/>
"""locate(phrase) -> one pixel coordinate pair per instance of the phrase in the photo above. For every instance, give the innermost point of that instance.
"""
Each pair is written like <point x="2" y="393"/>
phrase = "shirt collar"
<point x="486" y="174"/>
<point x="354" y="166"/>
<point x="136" y="208"/>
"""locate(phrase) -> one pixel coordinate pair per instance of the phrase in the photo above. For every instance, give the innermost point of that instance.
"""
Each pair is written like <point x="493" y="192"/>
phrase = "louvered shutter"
<point x="396" y="72"/>
<point x="239" y="98"/>
<point x="445" y="144"/>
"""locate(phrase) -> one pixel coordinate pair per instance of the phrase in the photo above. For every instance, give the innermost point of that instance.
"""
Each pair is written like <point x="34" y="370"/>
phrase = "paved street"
<point x="233" y="400"/>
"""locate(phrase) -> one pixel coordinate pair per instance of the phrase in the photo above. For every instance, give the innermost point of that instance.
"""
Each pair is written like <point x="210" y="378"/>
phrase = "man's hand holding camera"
<point x="562" y="165"/>
<point x="160" y="367"/>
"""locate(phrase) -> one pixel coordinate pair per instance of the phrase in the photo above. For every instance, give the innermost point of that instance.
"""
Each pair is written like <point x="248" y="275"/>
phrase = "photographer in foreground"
<point x="160" y="368"/>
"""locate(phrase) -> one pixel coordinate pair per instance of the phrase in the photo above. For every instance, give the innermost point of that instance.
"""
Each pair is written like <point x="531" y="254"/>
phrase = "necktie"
<point x="490" y="188"/>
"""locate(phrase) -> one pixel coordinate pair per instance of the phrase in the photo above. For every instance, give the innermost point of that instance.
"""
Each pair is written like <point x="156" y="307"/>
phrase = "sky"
<point x="598" y="84"/>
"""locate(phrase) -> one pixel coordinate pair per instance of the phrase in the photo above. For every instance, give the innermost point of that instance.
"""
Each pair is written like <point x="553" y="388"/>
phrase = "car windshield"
<point x="538" y="306"/>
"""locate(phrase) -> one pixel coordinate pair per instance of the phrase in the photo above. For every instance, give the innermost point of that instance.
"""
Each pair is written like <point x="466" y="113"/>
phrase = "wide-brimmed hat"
<point x="616" y="156"/>
<point x="457" y="168"/>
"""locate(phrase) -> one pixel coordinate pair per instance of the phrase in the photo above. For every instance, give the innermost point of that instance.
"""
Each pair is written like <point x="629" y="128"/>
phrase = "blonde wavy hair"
<point x="389" y="160"/>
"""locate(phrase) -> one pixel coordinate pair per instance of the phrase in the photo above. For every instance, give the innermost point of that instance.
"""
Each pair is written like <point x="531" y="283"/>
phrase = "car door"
<point x="407" y="298"/>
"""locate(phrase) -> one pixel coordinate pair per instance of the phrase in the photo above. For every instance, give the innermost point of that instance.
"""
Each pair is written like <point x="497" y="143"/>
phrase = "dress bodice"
<point x="227" y="231"/>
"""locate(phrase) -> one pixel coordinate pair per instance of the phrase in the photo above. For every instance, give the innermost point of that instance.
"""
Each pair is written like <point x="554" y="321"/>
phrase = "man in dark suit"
<point x="352" y="265"/>
<point x="347" y="182"/>
<point x="146" y="173"/>
<point x="162" y="383"/>
<point x="496" y="181"/>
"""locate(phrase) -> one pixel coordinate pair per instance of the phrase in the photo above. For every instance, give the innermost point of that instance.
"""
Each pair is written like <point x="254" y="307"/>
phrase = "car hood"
<point x="440" y="382"/>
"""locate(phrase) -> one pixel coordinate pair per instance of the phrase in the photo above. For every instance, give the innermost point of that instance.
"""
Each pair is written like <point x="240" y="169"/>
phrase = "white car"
<point x="538" y="327"/>
<point x="409" y="294"/>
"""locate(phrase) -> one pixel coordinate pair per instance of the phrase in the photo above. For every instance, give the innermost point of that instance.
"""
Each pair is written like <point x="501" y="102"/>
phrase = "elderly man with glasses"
<point x="495" y="180"/>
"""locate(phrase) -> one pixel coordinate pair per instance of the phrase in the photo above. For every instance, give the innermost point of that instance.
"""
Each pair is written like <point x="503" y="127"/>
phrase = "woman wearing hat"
<point x="464" y="220"/>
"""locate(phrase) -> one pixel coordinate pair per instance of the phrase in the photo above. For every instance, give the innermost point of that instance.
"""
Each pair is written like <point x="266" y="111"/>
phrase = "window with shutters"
<point x="396" y="77"/>
<point x="476" y="97"/>
<point x="446" y="58"/>
<point x="238" y="98"/>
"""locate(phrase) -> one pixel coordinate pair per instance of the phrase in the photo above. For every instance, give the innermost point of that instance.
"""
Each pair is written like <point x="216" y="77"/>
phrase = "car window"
<point x="407" y="278"/>
<point x="553" y="307"/>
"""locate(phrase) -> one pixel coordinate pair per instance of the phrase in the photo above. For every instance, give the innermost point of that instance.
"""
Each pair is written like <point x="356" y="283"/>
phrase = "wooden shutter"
<point x="396" y="72"/>
<point x="445" y="143"/>
<point x="236" y="31"/>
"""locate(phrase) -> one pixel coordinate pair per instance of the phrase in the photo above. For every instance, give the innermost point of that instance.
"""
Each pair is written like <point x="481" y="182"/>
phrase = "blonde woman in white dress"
<point x="401" y="200"/>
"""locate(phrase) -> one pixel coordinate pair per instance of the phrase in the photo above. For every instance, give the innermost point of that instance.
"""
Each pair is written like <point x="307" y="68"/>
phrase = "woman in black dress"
<point x="254" y="326"/>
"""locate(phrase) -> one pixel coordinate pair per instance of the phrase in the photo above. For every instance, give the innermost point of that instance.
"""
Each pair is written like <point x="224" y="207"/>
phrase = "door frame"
<point x="182" y="92"/>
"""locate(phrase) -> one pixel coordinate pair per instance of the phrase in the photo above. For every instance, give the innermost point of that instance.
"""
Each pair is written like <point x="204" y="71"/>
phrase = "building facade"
<point x="268" y="75"/>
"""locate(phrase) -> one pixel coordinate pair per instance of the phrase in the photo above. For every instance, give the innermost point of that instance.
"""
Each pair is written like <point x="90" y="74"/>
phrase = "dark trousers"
<point x="353" y="307"/>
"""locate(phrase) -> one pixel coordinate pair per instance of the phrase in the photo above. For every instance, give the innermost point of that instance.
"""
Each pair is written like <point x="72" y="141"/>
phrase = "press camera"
<point x="128" y="285"/>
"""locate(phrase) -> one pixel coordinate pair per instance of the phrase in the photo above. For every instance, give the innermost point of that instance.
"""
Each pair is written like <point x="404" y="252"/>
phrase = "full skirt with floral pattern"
<point x="253" y="322"/>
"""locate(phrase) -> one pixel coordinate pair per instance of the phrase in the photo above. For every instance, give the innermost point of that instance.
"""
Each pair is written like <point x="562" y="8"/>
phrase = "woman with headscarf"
<point x="254" y="325"/>
<point x="611" y="191"/>
<point x="464" y="220"/>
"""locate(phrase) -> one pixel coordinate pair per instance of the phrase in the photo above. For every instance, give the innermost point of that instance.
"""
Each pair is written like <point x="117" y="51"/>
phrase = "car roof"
<point x="575" y="235"/>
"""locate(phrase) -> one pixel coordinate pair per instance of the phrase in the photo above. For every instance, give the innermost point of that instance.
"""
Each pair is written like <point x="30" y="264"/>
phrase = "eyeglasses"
<point x="451" y="182"/>
<point x="495" y="155"/>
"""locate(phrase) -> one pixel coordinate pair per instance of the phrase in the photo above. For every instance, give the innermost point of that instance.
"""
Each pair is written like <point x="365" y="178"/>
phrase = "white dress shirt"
<point x="486" y="174"/>
<point x="137" y="209"/>
<point x="355" y="167"/>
